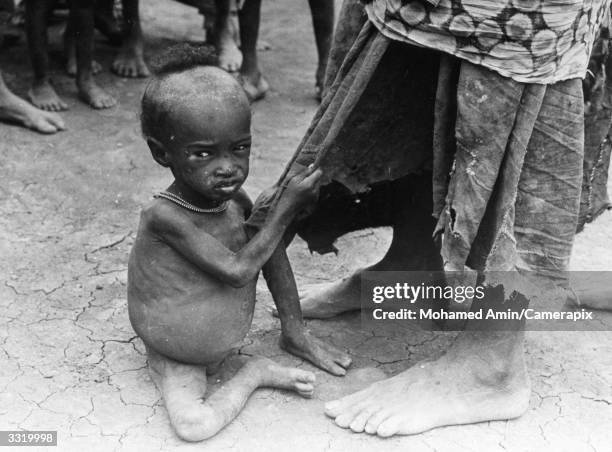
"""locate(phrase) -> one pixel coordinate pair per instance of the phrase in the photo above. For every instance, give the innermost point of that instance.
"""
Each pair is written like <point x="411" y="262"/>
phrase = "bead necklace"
<point x="187" y="205"/>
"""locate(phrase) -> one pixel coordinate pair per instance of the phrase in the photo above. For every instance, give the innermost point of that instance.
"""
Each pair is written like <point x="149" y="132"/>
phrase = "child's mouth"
<point x="226" y="187"/>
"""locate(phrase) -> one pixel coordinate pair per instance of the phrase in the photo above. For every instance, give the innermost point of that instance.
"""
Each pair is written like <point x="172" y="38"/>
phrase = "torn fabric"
<point x="504" y="158"/>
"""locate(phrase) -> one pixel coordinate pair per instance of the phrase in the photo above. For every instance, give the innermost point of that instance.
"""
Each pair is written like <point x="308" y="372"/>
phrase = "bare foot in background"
<point x="95" y="96"/>
<point x="15" y="109"/>
<point x="129" y="61"/>
<point x="254" y="84"/>
<point x="43" y="96"/>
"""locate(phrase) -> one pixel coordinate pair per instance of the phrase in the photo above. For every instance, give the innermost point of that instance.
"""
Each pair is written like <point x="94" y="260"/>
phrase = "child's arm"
<point x="235" y="268"/>
<point x="295" y="338"/>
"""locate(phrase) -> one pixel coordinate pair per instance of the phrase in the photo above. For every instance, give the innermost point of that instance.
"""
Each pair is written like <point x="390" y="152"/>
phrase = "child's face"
<point x="209" y="149"/>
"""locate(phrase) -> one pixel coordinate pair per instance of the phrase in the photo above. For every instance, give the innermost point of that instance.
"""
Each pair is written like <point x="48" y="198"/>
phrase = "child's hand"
<point x="321" y="354"/>
<point x="302" y="188"/>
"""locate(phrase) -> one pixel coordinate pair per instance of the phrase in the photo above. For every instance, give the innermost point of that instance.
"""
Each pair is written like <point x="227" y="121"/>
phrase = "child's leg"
<point x="230" y="57"/>
<point x="130" y="59"/>
<point x="81" y="18"/>
<point x="42" y="93"/>
<point x="322" y="12"/>
<point x="295" y="338"/>
<point x="183" y="387"/>
<point x="252" y="81"/>
<point x="15" y="109"/>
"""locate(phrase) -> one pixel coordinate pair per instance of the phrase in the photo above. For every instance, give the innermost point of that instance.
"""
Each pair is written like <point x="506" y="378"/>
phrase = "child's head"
<point x="196" y="120"/>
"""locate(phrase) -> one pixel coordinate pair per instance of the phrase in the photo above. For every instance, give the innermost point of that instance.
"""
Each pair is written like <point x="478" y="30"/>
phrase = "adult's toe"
<point x="389" y="426"/>
<point x="375" y="420"/>
<point x="359" y="422"/>
<point x="56" y="121"/>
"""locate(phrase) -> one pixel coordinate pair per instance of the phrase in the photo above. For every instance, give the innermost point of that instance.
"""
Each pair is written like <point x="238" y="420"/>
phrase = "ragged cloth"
<point x="498" y="162"/>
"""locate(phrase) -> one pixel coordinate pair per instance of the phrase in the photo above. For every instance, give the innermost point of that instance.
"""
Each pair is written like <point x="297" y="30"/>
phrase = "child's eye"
<point x="243" y="147"/>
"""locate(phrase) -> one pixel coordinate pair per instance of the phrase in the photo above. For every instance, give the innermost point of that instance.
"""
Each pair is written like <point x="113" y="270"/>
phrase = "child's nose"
<point x="225" y="169"/>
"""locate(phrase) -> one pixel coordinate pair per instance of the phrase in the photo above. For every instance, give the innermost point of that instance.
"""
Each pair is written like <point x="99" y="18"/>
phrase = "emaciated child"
<point x="193" y="268"/>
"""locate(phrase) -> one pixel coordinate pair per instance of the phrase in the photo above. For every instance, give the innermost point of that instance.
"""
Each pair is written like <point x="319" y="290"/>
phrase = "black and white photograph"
<point x="309" y="225"/>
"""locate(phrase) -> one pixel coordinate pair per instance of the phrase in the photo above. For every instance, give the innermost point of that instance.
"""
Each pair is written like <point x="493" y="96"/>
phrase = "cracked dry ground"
<point x="69" y="360"/>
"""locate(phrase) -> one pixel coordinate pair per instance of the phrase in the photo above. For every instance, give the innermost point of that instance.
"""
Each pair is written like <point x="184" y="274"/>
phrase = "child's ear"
<point x="159" y="152"/>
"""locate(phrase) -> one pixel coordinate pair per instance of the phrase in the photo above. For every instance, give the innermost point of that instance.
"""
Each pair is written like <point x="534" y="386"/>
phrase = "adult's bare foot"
<point x="230" y="56"/>
<point x="318" y="352"/>
<point x="591" y="291"/>
<point x="95" y="96"/>
<point x="254" y="84"/>
<point x="326" y="300"/>
<point x="15" y="109"/>
<point x="43" y="96"/>
<point x="481" y="378"/>
<point x="130" y="62"/>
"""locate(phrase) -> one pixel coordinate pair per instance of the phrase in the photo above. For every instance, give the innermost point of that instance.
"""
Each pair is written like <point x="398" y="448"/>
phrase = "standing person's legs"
<point x="82" y="23"/>
<point x="322" y="12"/>
<point x="483" y="376"/>
<point x="412" y="249"/>
<point x="15" y="109"/>
<point x="253" y="82"/>
<point x="230" y="57"/>
<point x="42" y="93"/>
<point x="129" y="61"/>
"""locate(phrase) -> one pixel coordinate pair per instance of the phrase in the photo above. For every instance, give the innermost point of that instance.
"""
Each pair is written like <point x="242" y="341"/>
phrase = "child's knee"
<point x="195" y="424"/>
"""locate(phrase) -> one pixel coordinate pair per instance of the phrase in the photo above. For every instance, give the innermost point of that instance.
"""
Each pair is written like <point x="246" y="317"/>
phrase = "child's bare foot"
<point x="273" y="375"/>
<point x="230" y="56"/>
<point x="95" y="96"/>
<point x="254" y="84"/>
<point x="14" y="108"/>
<point x="474" y="382"/>
<point x="130" y="62"/>
<point x="318" y="352"/>
<point x="43" y="96"/>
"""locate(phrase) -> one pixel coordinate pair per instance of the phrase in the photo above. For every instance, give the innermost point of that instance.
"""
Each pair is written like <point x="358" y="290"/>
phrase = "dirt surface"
<point x="69" y="360"/>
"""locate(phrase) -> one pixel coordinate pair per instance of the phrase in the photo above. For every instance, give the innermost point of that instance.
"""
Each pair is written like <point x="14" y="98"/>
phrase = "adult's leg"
<point x="42" y="93"/>
<point x="15" y="109"/>
<point x="183" y="387"/>
<point x="70" y="53"/>
<point x="129" y="61"/>
<point x="253" y="82"/>
<point x="412" y="249"/>
<point x="230" y="57"/>
<point x="82" y="21"/>
<point x="482" y="376"/>
<point x="322" y="12"/>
